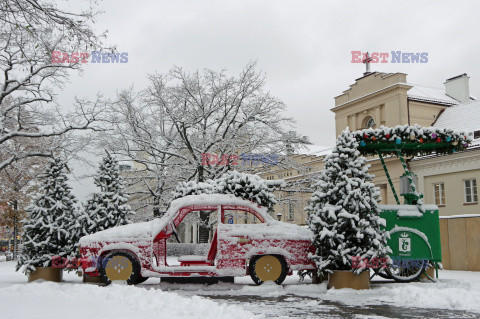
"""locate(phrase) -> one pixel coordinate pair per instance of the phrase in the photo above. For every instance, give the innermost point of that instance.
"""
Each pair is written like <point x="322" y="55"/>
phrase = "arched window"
<point x="368" y="122"/>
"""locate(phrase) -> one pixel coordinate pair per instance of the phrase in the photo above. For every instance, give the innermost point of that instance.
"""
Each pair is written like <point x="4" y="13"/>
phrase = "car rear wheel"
<point x="268" y="268"/>
<point x="120" y="266"/>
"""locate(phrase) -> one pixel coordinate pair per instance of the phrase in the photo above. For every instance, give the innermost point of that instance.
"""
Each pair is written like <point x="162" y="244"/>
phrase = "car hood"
<point x="131" y="232"/>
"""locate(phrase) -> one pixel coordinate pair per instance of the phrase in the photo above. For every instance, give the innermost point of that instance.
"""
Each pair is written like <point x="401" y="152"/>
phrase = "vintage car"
<point x="267" y="249"/>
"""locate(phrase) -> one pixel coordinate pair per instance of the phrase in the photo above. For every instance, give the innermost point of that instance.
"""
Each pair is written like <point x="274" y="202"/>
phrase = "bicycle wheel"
<point x="407" y="270"/>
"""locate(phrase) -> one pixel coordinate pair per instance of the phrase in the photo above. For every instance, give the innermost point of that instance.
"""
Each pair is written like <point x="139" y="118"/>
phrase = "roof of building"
<point x="316" y="150"/>
<point x="430" y="94"/>
<point x="462" y="117"/>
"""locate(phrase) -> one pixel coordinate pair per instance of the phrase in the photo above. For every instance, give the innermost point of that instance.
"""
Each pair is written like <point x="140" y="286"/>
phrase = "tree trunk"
<point x="157" y="213"/>
<point x="203" y="229"/>
<point x="15" y="230"/>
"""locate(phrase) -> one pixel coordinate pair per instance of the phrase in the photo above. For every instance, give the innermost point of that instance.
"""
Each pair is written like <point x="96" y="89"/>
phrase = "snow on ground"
<point x="456" y="290"/>
<point x="73" y="299"/>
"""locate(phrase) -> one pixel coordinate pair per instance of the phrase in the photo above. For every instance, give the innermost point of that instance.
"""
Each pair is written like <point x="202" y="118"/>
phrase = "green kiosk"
<point x="414" y="227"/>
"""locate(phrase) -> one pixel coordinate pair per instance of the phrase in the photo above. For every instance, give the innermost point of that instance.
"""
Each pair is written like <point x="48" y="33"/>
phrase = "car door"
<point x="234" y="240"/>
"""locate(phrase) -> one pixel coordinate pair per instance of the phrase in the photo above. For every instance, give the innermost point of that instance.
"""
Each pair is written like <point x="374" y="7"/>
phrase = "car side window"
<point x="240" y="216"/>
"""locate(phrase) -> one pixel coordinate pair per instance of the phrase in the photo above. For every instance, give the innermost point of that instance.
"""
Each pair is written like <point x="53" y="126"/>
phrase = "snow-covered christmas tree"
<point x="246" y="186"/>
<point x="107" y="208"/>
<point x="51" y="215"/>
<point x="343" y="212"/>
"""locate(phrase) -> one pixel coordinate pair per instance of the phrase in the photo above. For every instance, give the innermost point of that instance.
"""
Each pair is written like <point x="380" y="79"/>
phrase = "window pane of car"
<point x="240" y="217"/>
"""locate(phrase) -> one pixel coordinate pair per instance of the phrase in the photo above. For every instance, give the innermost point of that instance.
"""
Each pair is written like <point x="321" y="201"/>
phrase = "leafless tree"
<point x="30" y="31"/>
<point x="166" y="128"/>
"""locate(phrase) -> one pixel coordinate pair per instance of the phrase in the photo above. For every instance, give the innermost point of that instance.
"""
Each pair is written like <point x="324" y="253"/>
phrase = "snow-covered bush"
<point x="107" y="208"/>
<point x="246" y="186"/>
<point x="343" y="212"/>
<point x="47" y="230"/>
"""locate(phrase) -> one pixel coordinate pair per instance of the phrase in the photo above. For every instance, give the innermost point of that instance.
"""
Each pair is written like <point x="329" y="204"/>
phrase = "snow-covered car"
<point x="268" y="249"/>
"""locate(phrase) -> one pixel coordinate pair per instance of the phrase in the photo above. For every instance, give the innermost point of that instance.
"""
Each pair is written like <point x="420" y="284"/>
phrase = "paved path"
<point x="291" y="306"/>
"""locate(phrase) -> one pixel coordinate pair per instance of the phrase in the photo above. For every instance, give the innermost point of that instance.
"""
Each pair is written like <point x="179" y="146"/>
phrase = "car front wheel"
<point x="120" y="266"/>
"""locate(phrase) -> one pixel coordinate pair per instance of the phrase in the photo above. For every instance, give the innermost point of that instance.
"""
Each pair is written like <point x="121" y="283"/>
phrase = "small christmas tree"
<point x="194" y="188"/>
<point x="109" y="207"/>
<point x="343" y="211"/>
<point x="246" y="186"/>
<point x="51" y="215"/>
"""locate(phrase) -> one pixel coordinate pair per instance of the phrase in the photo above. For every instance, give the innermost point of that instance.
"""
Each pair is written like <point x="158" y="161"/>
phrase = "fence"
<point x="460" y="236"/>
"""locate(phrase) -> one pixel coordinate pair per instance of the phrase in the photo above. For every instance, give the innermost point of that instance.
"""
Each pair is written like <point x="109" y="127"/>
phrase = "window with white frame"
<point x="439" y="193"/>
<point x="470" y="186"/>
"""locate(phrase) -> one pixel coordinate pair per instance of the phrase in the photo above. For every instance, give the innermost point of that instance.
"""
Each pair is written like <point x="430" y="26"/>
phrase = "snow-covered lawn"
<point x="457" y="290"/>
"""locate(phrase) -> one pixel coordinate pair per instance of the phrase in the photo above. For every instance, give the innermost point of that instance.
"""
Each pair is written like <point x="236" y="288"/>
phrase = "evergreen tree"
<point x="247" y="186"/>
<point x="109" y="207"/>
<point x="343" y="211"/>
<point x="47" y="231"/>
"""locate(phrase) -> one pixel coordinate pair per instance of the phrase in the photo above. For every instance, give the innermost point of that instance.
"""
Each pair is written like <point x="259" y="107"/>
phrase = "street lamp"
<point x="279" y="216"/>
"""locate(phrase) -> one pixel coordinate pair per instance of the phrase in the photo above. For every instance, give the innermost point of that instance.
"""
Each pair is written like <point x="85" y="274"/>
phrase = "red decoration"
<point x="373" y="138"/>
<point x="387" y="136"/>
<point x="365" y="136"/>
<point x="421" y="140"/>
<point x="439" y="139"/>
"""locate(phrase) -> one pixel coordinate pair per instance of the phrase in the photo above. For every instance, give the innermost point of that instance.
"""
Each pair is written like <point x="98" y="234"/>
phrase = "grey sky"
<point x="304" y="47"/>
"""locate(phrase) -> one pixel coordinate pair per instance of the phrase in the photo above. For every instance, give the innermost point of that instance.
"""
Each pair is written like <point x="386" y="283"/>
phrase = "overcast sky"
<point x="304" y="47"/>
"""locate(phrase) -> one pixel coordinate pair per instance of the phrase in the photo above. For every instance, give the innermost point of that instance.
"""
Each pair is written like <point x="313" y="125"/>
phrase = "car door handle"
<point x="244" y="240"/>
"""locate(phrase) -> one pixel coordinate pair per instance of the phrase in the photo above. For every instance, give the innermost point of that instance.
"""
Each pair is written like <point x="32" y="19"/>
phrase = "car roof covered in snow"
<point x="147" y="230"/>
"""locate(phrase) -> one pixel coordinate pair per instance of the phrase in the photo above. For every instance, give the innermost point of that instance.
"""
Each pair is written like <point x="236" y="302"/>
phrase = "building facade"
<point x="388" y="99"/>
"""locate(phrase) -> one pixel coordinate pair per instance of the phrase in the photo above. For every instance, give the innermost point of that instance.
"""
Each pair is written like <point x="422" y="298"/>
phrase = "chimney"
<point x="458" y="88"/>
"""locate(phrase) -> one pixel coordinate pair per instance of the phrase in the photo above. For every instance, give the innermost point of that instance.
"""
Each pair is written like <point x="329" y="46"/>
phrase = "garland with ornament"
<point x="411" y="140"/>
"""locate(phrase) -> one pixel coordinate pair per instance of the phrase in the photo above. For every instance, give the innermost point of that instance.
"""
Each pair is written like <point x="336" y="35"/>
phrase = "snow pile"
<point x="427" y="207"/>
<point x="115" y="301"/>
<point x="271" y="230"/>
<point x="409" y="213"/>
<point x="448" y="294"/>
<point x="3" y="258"/>
<point x="137" y="231"/>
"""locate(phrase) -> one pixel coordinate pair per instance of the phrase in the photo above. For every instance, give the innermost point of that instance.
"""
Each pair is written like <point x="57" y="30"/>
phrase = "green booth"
<point x="413" y="226"/>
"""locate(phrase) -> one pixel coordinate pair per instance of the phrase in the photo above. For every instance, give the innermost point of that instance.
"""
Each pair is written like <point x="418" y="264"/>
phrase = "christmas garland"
<point x="411" y="140"/>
